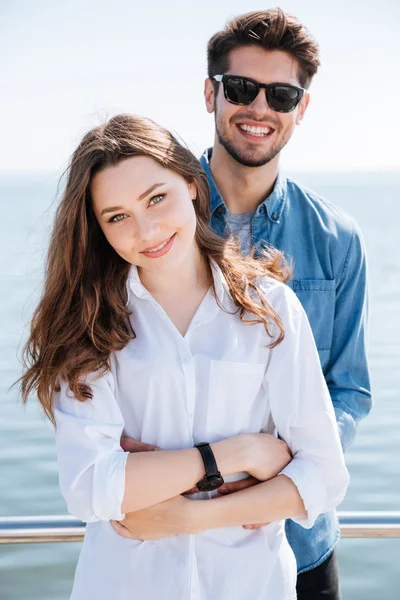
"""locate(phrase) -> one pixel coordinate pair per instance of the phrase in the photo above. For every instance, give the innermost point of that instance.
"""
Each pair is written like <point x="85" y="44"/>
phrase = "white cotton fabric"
<point x="218" y="380"/>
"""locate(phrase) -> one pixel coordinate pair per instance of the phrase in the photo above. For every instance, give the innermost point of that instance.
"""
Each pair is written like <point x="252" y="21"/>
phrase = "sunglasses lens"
<point x="283" y="98"/>
<point x="240" y="90"/>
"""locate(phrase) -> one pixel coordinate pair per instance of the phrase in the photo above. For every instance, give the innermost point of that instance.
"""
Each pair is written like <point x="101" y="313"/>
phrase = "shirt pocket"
<point x="237" y="401"/>
<point x="318" y="297"/>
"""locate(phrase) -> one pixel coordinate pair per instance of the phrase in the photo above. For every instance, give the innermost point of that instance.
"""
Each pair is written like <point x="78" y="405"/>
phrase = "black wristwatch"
<point x="213" y="479"/>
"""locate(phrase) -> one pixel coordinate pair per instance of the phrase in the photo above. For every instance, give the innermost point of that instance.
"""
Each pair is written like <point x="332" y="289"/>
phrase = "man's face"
<point x="232" y="122"/>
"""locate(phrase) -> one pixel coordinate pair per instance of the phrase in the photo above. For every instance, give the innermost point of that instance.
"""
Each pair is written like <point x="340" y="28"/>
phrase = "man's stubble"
<point x="250" y="158"/>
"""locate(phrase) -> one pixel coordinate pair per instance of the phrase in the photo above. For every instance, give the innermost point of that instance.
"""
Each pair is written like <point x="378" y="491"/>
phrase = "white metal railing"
<point x="64" y="528"/>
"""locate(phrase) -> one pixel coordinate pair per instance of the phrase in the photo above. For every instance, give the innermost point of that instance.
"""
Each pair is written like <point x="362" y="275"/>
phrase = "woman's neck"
<point x="190" y="275"/>
<point x="180" y="291"/>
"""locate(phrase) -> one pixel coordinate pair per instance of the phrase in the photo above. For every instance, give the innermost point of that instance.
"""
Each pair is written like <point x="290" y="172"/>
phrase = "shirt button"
<point x="219" y="210"/>
<point x="186" y="360"/>
<point x="274" y="216"/>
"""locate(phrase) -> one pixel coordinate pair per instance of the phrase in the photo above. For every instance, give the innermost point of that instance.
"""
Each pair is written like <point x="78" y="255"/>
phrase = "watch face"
<point x="210" y="483"/>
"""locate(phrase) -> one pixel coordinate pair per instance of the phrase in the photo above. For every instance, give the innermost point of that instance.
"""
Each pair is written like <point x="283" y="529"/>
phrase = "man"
<point x="254" y="201"/>
<point x="259" y="70"/>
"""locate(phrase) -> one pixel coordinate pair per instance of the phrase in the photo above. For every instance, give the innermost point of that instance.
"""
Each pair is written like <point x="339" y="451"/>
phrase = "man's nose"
<point x="259" y="106"/>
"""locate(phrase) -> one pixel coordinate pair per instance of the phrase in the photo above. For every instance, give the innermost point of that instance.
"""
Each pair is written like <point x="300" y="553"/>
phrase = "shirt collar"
<point x="135" y="286"/>
<point x="273" y="205"/>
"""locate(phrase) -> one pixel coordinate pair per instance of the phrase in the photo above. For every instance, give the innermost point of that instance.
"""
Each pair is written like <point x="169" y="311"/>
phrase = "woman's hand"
<point x="162" y="520"/>
<point x="267" y="455"/>
<point x="262" y="455"/>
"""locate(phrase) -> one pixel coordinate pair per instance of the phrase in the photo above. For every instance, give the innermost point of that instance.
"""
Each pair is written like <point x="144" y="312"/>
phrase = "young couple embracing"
<point x="214" y="311"/>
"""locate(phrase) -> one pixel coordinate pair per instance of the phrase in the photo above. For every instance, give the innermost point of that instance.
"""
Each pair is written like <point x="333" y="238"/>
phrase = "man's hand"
<point x="130" y="445"/>
<point x="166" y="519"/>
<point x="236" y="486"/>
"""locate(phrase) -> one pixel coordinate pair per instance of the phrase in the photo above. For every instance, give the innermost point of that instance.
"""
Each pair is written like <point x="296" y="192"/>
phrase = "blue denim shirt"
<point x="330" y="280"/>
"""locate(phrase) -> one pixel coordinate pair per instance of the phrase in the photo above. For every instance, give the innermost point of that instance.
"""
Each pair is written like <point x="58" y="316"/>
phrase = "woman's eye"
<point x="156" y="199"/>
<point x="117" y="218"/>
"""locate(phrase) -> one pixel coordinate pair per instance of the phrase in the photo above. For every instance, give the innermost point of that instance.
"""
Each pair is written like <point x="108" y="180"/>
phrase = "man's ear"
<point x="209" y="95"/>
<point x="302" y="108"/>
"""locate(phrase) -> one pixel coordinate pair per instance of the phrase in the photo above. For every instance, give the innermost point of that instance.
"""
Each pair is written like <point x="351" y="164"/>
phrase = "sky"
<point x="66" y="66"/>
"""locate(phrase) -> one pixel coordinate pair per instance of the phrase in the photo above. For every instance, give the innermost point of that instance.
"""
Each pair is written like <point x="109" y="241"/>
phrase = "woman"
<point x="152" y="327"/>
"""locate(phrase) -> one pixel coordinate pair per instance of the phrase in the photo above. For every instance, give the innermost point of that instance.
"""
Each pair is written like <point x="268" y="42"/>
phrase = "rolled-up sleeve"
<point x="91" y="461"/>
<point x="302" y="411"/>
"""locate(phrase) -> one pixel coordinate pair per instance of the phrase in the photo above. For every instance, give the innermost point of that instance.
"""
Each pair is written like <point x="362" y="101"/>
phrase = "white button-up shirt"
<point x="218" y="380"/>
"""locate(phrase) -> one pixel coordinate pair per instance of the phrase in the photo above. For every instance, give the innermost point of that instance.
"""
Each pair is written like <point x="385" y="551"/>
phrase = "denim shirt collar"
<point x="273" y="205"/>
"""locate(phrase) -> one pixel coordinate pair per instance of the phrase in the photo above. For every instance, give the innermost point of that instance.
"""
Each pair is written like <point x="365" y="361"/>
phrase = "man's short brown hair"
<point x="272" y="30"/>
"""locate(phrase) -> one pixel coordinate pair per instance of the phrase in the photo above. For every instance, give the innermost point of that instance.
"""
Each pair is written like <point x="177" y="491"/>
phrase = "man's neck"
<point x="242" y="188"/>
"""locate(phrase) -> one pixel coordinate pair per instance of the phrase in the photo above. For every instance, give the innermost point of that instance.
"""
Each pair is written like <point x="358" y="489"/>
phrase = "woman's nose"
<point x="146" y="230"/>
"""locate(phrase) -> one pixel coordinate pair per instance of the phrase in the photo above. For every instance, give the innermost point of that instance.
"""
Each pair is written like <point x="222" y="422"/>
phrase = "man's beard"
<point x="249" y="158"/>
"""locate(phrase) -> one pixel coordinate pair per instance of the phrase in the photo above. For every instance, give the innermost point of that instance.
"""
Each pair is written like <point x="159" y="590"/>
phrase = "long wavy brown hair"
<point x="82" y="316"/>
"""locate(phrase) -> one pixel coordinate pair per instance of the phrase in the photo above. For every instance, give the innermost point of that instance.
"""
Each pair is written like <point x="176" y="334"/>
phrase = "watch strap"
<point x="208" y="457"/>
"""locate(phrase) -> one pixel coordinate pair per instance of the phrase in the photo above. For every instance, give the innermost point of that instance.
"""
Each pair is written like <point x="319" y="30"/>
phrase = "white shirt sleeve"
<point x="91" y="461"/>
<point x="302" y="411"/>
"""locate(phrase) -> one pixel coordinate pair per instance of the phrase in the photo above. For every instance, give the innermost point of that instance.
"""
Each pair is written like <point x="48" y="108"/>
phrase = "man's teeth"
<point x="160" y="247"/>
<point x="260" y="131"/>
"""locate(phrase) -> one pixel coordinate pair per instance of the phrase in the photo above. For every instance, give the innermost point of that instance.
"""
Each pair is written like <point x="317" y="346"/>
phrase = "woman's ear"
<point x="192" y="190"/>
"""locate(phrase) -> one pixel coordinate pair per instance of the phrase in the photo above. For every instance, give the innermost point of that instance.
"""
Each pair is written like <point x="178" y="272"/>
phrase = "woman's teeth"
<point x="160" y="247"/>
<point x="259" y="131"/>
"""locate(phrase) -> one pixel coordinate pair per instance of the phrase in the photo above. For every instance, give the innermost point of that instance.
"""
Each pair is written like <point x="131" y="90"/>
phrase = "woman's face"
<point x="146" y="212"/>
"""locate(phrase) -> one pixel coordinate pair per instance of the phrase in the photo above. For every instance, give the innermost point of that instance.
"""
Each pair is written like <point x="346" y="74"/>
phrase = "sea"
<point x="28" y="468"/>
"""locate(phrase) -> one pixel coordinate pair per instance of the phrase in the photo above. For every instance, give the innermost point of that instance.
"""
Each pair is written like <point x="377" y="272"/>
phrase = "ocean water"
<point x="28" y="470"/>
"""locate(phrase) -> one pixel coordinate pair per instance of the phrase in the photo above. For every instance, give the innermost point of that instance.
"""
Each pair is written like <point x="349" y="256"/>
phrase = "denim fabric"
<point x="330" y="280"/>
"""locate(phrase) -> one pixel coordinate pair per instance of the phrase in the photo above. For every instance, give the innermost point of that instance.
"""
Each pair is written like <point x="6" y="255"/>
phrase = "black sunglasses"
<point x="281" y="97"/>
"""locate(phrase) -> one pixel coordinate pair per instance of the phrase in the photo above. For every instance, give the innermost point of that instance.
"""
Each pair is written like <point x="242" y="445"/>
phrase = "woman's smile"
<point x="161" y="249"/>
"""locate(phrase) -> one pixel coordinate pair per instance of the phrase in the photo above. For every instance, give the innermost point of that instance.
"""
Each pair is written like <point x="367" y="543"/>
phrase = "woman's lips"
<point x="165" y="247"/>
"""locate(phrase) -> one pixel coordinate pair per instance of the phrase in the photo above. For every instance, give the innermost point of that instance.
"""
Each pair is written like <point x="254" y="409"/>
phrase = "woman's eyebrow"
<point x="110" y="209"/>
<point x="151" y="188"/>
